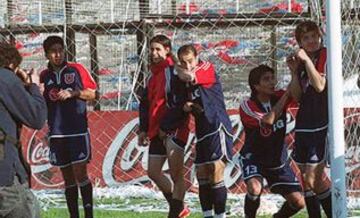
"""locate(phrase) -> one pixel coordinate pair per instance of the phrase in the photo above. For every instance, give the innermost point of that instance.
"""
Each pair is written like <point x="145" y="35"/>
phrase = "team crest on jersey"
<point x="69" y="78"/>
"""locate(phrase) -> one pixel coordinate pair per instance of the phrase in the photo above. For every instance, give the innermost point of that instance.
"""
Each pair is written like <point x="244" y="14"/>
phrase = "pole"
<point x="336" y="111"/>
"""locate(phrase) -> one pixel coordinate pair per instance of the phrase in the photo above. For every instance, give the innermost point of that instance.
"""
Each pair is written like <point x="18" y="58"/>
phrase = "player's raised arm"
<point x="294" y="86"/>
<point x="264" y="153"/>
<point x="277" y="110"/>
<point x="316" y="76"/>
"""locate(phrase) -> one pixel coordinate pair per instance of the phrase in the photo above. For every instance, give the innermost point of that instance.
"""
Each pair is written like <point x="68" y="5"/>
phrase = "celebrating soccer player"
<point x="158" y="100"/>
<point x="264" y="154"/>
<point x="308" y="66"/>
<point x="213" y="129"/>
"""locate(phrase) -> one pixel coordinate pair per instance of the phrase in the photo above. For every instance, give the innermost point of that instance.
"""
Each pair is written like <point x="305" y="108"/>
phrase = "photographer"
<point x="21" y="103"/>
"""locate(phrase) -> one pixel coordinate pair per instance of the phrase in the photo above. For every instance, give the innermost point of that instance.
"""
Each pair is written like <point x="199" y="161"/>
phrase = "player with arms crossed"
<point x="308" y="66"/>
<point x="158" y="100"/>
<point x="67" y="88"/>
<point x="264" y="154"/>
<point x="213" y="129"/>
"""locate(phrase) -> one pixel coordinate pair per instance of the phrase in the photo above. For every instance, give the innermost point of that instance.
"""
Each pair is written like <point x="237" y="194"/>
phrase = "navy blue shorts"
<point x="214" y="147"/>
<point x="69" y="150"/>
<point x="310" y="147"/>
<point x="158" y="148"/>
<point x="280" y="180"/>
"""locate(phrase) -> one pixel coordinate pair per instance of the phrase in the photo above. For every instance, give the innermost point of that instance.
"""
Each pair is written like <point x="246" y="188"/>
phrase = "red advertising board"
<point x="118" y="160"/>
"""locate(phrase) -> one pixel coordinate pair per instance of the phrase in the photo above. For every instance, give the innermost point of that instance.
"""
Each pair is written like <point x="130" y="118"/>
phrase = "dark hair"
<point x="9" y="55"/>
<point x="164" y="41"/>
<point x="52" y="40"/>
<point x="255" y="76"/>
<point x="305" y="27"/>
<point x="186" y="49"/>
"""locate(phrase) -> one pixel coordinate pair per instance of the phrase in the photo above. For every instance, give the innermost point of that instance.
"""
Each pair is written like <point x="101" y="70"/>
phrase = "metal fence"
<point x="111" y="38"/>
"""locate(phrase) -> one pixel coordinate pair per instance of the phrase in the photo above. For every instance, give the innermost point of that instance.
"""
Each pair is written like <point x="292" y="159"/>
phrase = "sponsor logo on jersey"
<point x="53" y="94"/>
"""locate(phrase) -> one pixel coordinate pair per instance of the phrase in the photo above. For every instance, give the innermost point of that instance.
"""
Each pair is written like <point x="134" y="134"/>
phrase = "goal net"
<point x="111" y="38"/>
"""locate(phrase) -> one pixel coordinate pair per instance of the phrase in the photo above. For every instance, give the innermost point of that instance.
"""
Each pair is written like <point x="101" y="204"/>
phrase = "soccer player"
<point x="67" y="87"/>
<point x="213" y="129"/>
<point x="308" y="65"/>
<point x="264" y="154"/>
<point x="157" y="101"/>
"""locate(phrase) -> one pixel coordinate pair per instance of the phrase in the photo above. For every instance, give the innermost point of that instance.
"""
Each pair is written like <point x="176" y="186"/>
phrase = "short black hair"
<point x="52" y="40"/>
<point x="186" y="49"/>
<point x="255" y="76"/>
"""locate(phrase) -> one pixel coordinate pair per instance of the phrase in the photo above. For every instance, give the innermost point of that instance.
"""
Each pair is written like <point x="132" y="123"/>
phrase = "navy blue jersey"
<point x="313" y="110"/>
<point x="263" y="144"/>
<point x="66" y="118"/>
<point x="176" y="95"/>
<point x="206" y="91"/>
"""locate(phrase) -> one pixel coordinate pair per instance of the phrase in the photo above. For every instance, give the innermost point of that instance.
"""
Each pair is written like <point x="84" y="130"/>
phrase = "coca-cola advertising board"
<point x="118" y="160"/>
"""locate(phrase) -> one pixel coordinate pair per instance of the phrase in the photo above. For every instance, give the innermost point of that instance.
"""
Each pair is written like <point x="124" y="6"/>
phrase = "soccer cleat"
<point x="185" y="212"/>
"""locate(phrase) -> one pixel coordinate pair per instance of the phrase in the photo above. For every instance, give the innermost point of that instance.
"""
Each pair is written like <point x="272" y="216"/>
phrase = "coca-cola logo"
<point x="126" y="156"/>
<point x="40" y="154"/>
<point x="38" y="157"/>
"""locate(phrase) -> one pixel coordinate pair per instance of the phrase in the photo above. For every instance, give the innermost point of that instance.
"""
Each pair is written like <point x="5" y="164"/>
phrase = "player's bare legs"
<point x="217" y="168"/>
<point x="293" y="204"/>
<point x="295" y="199"/>
<point x="176" y="165"/>
<point x="316" y="179"/>
<point x="252" y="198"/>
<point x="155" y="173"/>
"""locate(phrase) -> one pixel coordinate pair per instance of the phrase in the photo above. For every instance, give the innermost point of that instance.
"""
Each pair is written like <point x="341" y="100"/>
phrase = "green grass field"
<point x="137" y="207"/>
<point x="62" y="213"/>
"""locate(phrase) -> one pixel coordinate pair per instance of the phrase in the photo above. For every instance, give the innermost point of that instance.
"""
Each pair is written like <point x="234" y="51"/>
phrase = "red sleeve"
<point x="321" y="62"/>
<point x="86" y="78"/>
<point x="250" y="114"/>
<point x="42" y="75"/>
<point x="205" y="74"/>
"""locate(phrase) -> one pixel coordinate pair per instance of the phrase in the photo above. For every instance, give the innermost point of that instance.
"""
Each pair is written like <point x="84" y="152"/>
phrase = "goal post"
<point x="336" y="111"/>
